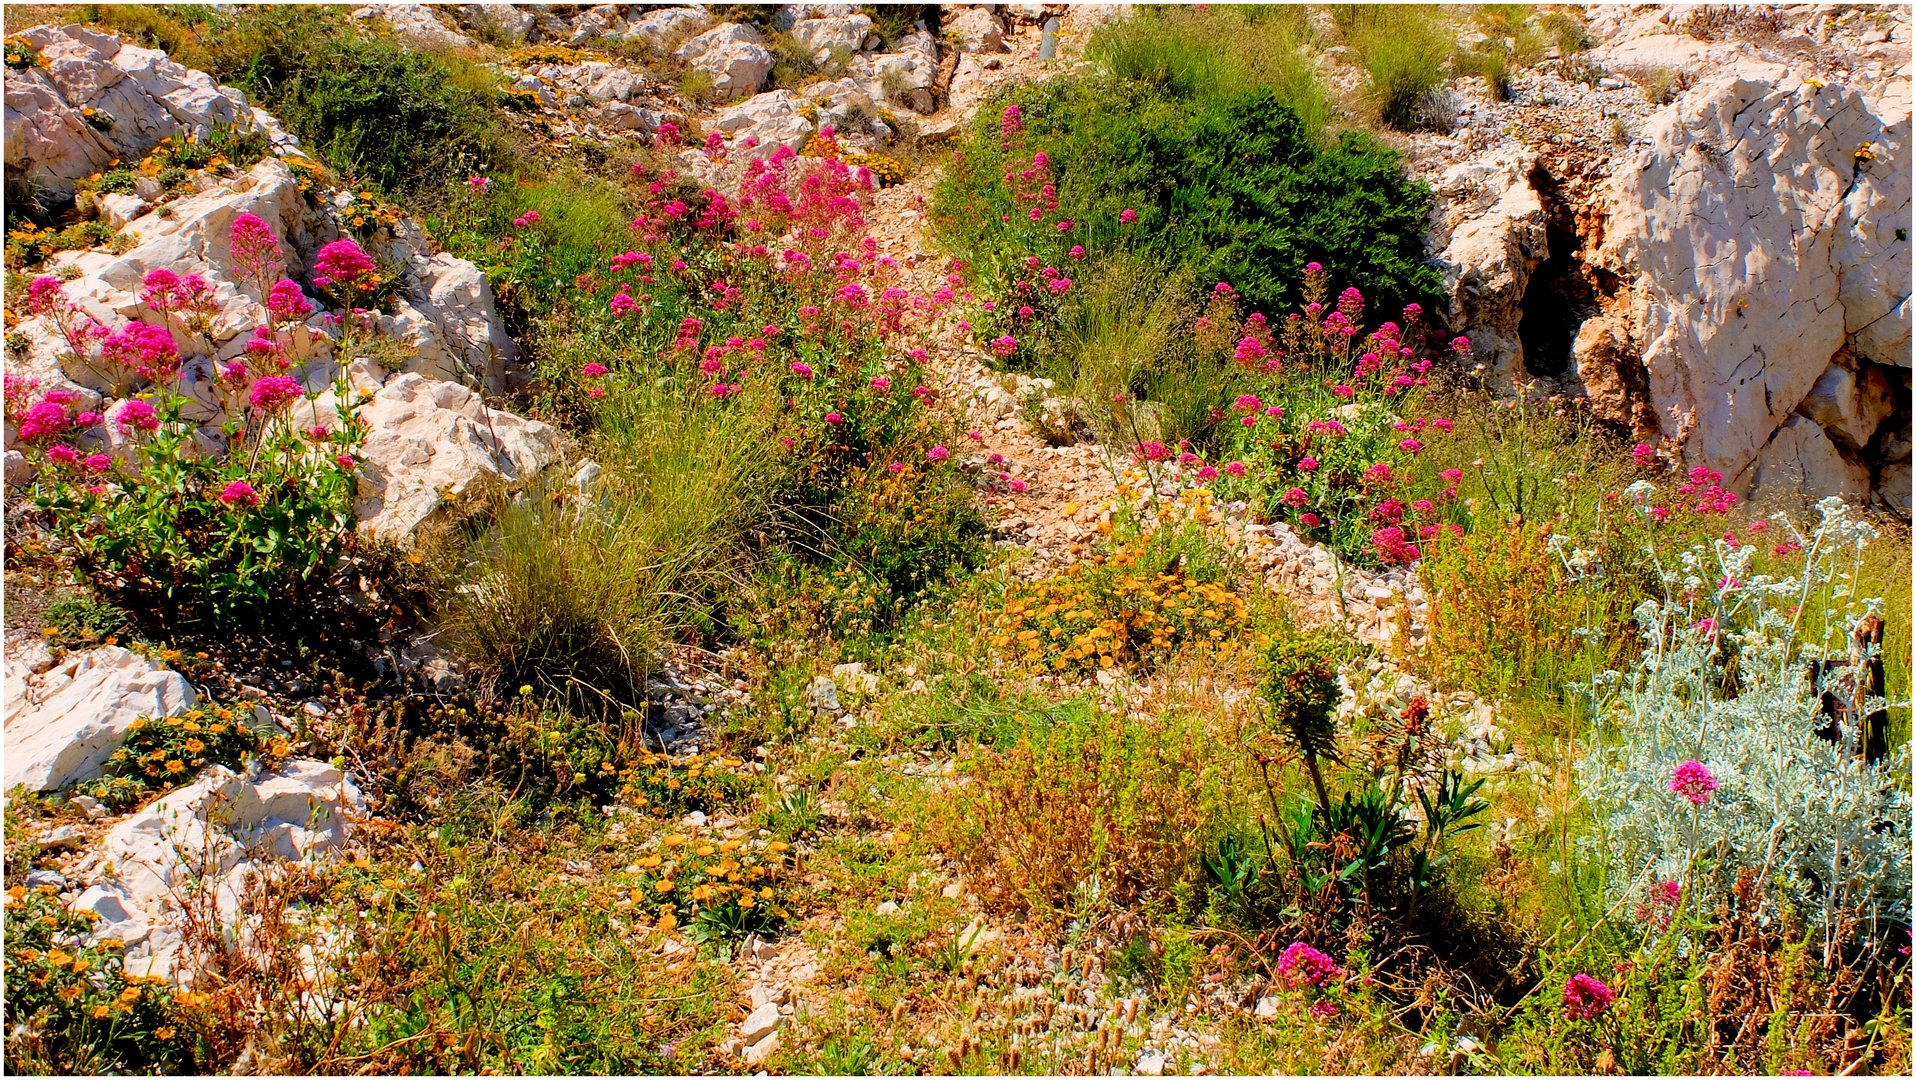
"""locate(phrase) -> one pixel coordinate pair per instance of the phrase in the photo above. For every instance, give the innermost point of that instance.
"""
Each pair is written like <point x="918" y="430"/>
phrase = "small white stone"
<point x="763" y="1021"/>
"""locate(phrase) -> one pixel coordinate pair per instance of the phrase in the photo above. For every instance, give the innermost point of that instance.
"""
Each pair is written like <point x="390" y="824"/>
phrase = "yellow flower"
<point x="176" y="766"/>
<point x="70" y="993"/>
<point x="59" y="958"/>
<point x="664" y="886"/>
<point x="163" y="1033"/>
<point x="194" y="746"/>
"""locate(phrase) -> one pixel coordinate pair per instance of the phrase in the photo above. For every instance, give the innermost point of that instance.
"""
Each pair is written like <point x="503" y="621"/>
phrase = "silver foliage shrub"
<point x="1828" y="835"/>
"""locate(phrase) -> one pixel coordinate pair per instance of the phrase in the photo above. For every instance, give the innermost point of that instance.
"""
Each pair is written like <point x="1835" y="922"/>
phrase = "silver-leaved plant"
<point x="1725" y="680"/>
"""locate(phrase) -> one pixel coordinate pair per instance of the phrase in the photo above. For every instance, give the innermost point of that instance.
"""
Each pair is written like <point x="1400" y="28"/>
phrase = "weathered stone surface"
<point x="148" y="97"/>
<point x="66" y="721"/>
<point x="1800" y="457"/>
<point x="844" y="34"/>
<point x="448" y="318"/>
<point x="907" y="76"/>
<point x="416" y="24"/>
<point x="510" y="20"/>
<point x="734" y="55"/>
<point x="976" y="30"/>
<point x="1490" y="256"/>
<point x="429" y="442"/>
<point x="209" y="840"/>
<point x="1755" y="233"/>
<point x="774" y="118"/>
<point x="660" y="28"/>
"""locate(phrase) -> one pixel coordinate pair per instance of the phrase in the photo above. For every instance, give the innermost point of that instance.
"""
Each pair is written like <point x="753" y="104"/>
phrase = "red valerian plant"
<point x="1333" y="437"/>
<point x="150" y="507"/>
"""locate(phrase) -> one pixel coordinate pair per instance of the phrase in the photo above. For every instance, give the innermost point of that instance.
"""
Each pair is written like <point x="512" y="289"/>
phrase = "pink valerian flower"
<point x="593" y="369"/>
<point x="1012" y="122"/>
<point x="1344" y="391"/>
<point x="1378" y="474"/>
<point x="1585" y="997"/>
<point x="136" y="415"/>
<point x="1307" y="464"/>
<point x="880" y="383"/>
<point x="1248" y="403"/>
<point x="1004" y="345"/>
<point x="1302" y="963"/>
<point x="346" y="462"/>
<point x="937" y="453"/>
<point x="255" y="248"/>
<point x="286" y="302"/>
<point x="1642" y="454"/>
<point x="275" y="392"/>
<point x="897" y="468"/>
<point x="801" y="369"/>
<point x="1235" y="468"/>
<point x="723" y="390"/>
<point x="1694" y="781"/>
<point x="1152" y="451"/>
<point x="834" y="418"/>
<point x="99" y="463"/>
<point x="1660" y="907"/>
<point x="1324" y="1009"/>
<point x="482" y="183"/>
<point x="42" y="419"/>
<point x="1392" y="547"/>
<point x="530" y="217"/>
<point x="1250" y="350"/>
<point x="1012" y="482"/>
<point x="62" y="454"/>
<point x="168" y="293"/>
<point x="239" y="493"/>
<point x="142" y="348"/>
<point x="1410" y="446"/>
<point x="1127" y="215"/>
<point x="343" y="263"/>
<point x="1297" y="498"/>
<point x="1207" y="473"/>
<point x="1706" y="627"/>
<point x="1076" y="252"/>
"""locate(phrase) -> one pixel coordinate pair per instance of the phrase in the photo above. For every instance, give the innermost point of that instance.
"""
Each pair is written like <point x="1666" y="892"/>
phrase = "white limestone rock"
<point x="1756" y="237"/>
<point x="417" y="24"/>
<point x="210" y="839"/>
<point x="67" y="720"/>
<point x="774" y="118"/>
<point x="976" y="30"/>
<point x="429" y="441"/>
<point x="841" y="34"/>
<point x="734" y="55"/>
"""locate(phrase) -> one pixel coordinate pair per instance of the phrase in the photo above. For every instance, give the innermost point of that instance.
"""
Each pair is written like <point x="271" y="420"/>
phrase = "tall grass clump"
<point x="1403" y="50"/>
<point x="1215" y="54"/>
<point x="574" y="588"/>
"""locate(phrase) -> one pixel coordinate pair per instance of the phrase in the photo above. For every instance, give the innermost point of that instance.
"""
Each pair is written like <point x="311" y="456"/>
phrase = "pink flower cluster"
<point x="1302" y="963"/>
<point x="1585" y="997"/>
<point x="1694" y="781"/>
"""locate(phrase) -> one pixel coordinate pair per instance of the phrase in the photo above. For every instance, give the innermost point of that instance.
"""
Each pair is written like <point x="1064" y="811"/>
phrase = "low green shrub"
<point x="71" y="1007"/>
<point x="163" y="752"/>
<point x="400" y="118"/>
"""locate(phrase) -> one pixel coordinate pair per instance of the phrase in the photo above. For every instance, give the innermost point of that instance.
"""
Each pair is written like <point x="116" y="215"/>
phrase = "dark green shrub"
<point x="370" y="106"/>
<point x="1236" y="191"/>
